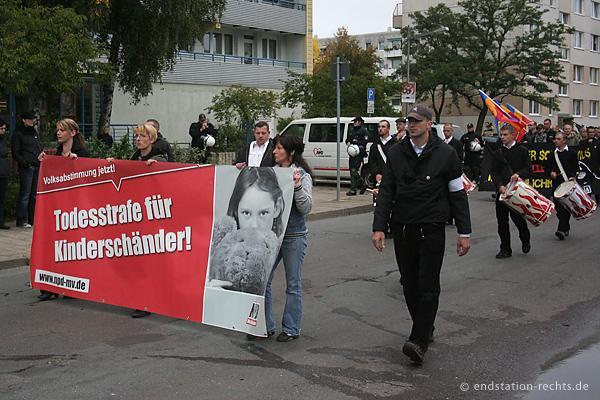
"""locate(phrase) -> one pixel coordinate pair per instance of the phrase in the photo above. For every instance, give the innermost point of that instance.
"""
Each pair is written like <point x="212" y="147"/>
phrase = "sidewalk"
<point x="15" y="243"/>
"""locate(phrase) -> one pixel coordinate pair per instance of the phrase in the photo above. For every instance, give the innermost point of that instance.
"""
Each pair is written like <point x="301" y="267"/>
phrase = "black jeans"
<point x="3" y="189"/>
<point x="356" y="181"/>
<point x="563" y="217"/>
<point x="502" y="213"/>
<point x="419" y="254"/>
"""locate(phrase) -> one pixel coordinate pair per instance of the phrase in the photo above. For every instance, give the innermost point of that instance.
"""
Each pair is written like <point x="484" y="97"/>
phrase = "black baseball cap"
<point x="400" y="120"/>
<point x="359" y="118"/>
<point x="28" y="115"/>
<point x="420" y="113"/>
<point x="469" y="125"/>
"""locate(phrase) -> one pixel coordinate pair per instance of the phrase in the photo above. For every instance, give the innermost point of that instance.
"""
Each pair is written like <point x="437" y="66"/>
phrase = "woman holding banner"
<point x="562" y="161"/>
<point x="145" y="137"/>
<point x="288" y="153"/>
<point x="71" y="144"/>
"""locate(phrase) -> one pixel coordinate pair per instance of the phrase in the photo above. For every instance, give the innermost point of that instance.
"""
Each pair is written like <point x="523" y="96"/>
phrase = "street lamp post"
<point x="409" y="35"/>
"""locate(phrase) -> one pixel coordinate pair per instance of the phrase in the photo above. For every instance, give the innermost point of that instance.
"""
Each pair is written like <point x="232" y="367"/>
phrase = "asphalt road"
<point x="500" y="321"/>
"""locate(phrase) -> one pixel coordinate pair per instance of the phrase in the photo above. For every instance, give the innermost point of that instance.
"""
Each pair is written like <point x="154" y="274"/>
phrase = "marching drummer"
<point x="562" y="161"/>
<point x="509" y="163"/>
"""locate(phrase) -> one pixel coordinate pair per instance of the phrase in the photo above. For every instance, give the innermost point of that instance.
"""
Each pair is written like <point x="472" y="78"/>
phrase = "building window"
<point x="564" y="53"/>
<point x="594" y="72"/>
<point x="396" y="44"/>
<point x="595" y="9"/>
<point x="269" y="49"/>
<point x="381" y="45"/>
<point x="563" y="90"/>
<point x="578" y="6"/>
<point x="577" y="106"/>
<point x="223" y="44"/>
<point x="595" y="43"/>
<point x="564" y="18"/>
<point x="593" y="108"/>
<point x="368" y="45"/>
<point x="206" y="42"/>
<point x="577" y="73"/>
<point x="578" y="40"/>
<point x="534" y="107"/>
<point x="396" y="62"/>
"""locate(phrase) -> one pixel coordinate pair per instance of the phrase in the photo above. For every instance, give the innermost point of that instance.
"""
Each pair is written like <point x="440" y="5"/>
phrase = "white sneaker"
<point x="25" y="226"/>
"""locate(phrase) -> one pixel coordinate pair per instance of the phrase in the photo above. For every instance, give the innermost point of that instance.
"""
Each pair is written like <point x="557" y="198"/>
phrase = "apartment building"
<point x="255" y="44"/>
<point x="579" y="98"/>
<point x="388" y="47"/>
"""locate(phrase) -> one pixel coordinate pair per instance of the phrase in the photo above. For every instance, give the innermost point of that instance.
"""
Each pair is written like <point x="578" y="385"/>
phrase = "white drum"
<point x="528" y="202"/>
<point x="572" y="196"/>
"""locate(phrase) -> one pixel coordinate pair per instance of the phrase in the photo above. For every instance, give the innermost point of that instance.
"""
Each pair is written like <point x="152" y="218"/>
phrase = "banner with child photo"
<point x="188" y="241"/>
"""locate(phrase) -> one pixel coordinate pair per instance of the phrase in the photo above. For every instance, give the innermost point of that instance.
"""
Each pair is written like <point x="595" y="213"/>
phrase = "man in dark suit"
<point x="510" y="162"/>
<point x="452" y="142"/>
<point x="258" y="153"/>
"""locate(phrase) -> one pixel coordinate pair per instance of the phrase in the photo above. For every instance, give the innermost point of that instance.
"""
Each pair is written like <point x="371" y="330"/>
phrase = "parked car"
<point x="319" y="137"/>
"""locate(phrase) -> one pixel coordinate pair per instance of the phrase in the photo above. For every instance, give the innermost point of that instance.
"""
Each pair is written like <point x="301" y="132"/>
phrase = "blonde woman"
<point x="72" y="145"/>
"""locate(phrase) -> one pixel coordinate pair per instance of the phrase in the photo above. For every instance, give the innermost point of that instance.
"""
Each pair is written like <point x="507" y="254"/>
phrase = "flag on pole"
<point x="504" y="115"/>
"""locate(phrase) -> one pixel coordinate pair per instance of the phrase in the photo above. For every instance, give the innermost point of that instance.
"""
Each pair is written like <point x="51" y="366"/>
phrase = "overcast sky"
<point x="359" y="16"/>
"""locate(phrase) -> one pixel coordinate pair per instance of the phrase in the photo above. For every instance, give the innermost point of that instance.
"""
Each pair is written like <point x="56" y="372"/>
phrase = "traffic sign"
<point x="409" y="94"/>
<point x="370" y="94"/>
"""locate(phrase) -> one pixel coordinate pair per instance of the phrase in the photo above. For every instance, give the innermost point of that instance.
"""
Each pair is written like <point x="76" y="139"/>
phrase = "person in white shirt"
<point x="259" y="153"/>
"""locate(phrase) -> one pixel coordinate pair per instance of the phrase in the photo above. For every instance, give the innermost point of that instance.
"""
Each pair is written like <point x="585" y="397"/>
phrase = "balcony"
<point x="397" y="18"/>
<point x="226" y="70"/>
<point x="269" y="15"/>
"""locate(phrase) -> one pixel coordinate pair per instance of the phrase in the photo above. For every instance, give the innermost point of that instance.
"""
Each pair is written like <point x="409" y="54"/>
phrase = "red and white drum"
<point x="575" y="199"/>
<point x="468" y="184"/>
<point x="528" y="202"/>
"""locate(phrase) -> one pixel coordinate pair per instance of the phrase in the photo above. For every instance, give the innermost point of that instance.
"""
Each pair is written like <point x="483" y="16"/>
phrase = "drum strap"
<point x="562" y="170"/>
<point x="380" y="148"/>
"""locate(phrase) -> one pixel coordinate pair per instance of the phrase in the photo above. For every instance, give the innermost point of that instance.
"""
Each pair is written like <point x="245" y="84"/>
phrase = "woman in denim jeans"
<point x="288" y="153"/>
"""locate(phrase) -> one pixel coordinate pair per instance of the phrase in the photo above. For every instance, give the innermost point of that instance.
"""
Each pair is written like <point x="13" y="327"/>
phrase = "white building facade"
<point x="255" y="44"/>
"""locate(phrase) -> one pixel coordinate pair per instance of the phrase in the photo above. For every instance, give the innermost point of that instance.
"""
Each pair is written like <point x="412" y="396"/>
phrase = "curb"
<point x="341" y="212"/>
<point x="17" y="262"/>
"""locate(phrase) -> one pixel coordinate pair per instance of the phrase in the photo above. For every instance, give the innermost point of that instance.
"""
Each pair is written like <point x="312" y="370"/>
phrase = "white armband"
<point x="456" y="185"/>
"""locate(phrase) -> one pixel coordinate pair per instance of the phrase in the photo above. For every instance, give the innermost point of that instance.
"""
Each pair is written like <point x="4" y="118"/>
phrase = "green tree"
<point x="435" y="41"/>
<point x="316" y="93"/>
<point x="238" y="108"/>
<point x="243" y="105"/>
<point x="505" y="48"/>
<point x="140" y="39"/>
<point x="43" y="49"/>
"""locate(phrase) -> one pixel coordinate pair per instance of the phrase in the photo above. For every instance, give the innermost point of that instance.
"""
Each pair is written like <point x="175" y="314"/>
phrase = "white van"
<point x="319" y="134"/>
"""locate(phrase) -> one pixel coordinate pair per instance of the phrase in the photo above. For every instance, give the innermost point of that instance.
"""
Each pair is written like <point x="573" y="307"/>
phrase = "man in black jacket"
<point x="473" y="145"/>
<point x="421" y="186"/>
<point x="199" y="131"/>
<point x="509" y="163"/>
<point x="258" y="153"/>
<point x="358" y="136"/>
<point x="570" y="164"/>
<point x="161" y="143"/>
<point x="26" y="148"/>
<point x="452" y="142"/>
<point x="380" y="149"/>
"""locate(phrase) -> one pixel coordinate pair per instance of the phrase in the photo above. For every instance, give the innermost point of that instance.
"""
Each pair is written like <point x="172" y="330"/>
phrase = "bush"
<point x="229" y="138"/>
<point x="10" y="201"/>
<point x="121" y="150"/>
<point x="188" y="155"/>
